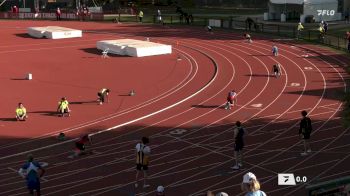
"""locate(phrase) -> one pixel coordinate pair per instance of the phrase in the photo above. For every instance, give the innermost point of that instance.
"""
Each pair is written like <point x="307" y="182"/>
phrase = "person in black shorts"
<point x="142" y="159"/>
<point x="305" y="132"/>
<point x="103" y="95"/>
<point x="238" y="145"/>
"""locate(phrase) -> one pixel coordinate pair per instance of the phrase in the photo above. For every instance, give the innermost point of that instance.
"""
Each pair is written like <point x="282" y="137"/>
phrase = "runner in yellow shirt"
<point x="63" y="107"/>
<point x="21" y="112"/>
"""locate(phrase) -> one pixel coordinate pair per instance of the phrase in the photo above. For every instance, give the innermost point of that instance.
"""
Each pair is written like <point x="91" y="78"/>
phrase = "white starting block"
<point x="53" y="32"/>
<point x="131" y="47"/>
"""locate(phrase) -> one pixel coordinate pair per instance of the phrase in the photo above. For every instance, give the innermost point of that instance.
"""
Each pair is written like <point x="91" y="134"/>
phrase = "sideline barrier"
<point x="64" y="16"/>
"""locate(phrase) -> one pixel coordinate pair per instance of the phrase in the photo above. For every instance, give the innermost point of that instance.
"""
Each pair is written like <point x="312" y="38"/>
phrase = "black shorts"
<point x="229" y="100"/>
<point x="238" y="147"/>
<point x="141" y="167"/>
<point x="306" y="136"/>
<point x="101" y="96"/>
<point x="80" y="146"/>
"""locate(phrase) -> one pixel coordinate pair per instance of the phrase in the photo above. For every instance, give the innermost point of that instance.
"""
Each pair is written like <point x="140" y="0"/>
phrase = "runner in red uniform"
<point x="231" y="99"/>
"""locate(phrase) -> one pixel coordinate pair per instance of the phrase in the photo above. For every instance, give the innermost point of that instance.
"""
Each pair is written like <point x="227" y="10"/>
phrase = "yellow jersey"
<point x="63" y="104"/>
<point x="21" y="111"/>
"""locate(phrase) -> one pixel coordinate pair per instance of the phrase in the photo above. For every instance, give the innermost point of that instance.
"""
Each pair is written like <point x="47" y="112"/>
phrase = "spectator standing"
<point x="321" y="32"/>
<point x="251" y="186"/>
<point x="300" y="28"/>
<point x="238" y="145"/>
<point x="187" y="18"/>
<point x="305" y="132"/>
<point x="58" y="14"/>
<point x="191" y="18"/>
<point x="15" y="9"/>
<point x="140" y="16"/>
<point x="143" y="152"/>
<point x="181" y="18"/>
<point x="325" y="26"/>
<point x="249" y="23"/>
<point x="348" y="38"/>
<point x="159" y="16"/>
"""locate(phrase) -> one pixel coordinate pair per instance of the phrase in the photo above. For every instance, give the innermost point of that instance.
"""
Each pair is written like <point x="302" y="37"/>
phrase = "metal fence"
<point x="283" y="30"/>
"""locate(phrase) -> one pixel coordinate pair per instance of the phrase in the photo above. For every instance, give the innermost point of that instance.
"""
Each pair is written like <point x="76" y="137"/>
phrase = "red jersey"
<point x="83" y="140"/>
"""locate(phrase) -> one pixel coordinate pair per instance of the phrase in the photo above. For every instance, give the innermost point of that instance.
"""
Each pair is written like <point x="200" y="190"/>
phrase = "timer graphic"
<point x="290" y="180"/>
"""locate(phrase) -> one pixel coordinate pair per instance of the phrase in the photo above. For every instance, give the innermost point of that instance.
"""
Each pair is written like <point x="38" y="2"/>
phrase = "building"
<point x="327" y="10"/>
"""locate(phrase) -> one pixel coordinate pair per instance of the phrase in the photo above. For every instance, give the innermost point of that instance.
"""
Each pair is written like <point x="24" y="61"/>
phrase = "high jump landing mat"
<point x="54" y="32"/>
<point x="132" y="47"/>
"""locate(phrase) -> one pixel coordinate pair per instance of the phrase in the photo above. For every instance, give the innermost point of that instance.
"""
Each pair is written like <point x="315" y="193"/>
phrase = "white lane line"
<point x="10" y="168"/>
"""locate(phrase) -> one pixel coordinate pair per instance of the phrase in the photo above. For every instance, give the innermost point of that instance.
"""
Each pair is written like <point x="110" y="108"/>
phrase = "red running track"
<point x="178" y="104"/>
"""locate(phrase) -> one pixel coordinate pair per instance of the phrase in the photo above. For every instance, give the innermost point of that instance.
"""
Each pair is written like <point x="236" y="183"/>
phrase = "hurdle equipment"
<point x="53" y="32"/>
<point x="135" y="48"/>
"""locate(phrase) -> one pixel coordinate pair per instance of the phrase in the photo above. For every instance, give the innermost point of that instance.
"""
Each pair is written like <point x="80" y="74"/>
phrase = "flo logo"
<point x="325" y="12"/>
